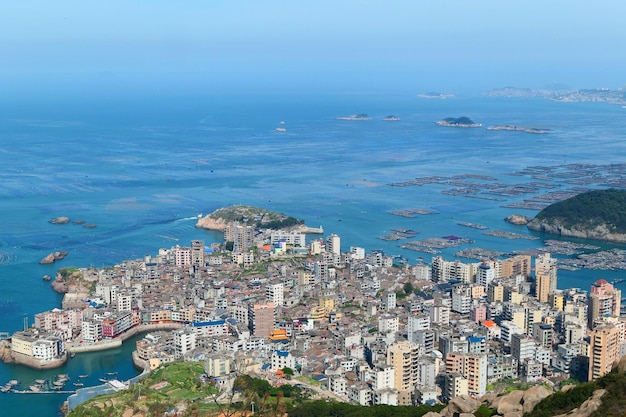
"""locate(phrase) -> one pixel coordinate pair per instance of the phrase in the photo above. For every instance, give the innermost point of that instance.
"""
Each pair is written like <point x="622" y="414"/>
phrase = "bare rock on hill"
<point x="461" y="404"/>
<point x="509" y="403"/>
<point x="533" y="396"/>
<point x="588" y="407"/>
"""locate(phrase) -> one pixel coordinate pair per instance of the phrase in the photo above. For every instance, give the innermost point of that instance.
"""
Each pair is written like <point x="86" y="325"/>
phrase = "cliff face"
<point x="207" y="222"/>
<point x="597" y="232"/>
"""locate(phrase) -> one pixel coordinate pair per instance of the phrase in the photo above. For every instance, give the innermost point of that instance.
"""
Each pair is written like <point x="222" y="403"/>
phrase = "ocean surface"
<point x="141" y="170"/>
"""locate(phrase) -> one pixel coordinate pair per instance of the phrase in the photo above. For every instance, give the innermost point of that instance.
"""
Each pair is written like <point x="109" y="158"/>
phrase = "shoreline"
<point x="73" y="348"/>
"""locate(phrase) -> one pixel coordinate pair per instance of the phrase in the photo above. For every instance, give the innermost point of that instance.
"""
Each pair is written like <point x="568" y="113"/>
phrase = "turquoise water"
<point x="142" y="170"/>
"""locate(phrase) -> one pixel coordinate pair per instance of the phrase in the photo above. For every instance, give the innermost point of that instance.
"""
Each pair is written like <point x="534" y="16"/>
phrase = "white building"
<point x="282" y="359"/>
<point x="275" y="294"/>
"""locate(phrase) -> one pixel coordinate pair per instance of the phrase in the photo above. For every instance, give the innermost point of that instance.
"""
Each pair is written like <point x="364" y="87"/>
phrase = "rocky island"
<point x="391" y="118"/>
<point x="362" y="116"/>
<point x="457" y="122"/>
<point x="54" y="256"/>
<point x="513" y="128"/>
<point x="441" y="96"/>
<point x="220" y="218"/>
<point x="598" y="214"/>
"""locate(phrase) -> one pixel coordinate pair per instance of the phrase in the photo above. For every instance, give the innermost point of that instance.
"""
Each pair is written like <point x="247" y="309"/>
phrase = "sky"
<point x="198" y="46"/>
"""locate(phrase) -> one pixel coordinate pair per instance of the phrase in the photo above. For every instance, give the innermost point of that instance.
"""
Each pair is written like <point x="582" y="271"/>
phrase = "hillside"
<point x="598" y="214"/>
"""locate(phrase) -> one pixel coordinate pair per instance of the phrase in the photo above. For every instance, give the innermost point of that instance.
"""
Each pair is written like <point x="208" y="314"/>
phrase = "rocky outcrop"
<point x="509" y="403"/>
<point x="533" y="396"/>
<point x="209" y="223"/>
<point x="596" y="232"/>
<point x="59" y="220"/>
<point x="588" y="407"/>
<point x="459" y="405"/>
<point x="60" y="286"/>
<point x="54" y="256"/>
<point x="5" y="355"/>
<point x="517" y="219"/>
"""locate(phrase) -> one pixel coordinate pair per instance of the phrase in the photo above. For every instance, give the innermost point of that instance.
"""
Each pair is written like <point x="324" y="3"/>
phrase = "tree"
<point x="408" y="288"/>
<point x="288" y="372"/>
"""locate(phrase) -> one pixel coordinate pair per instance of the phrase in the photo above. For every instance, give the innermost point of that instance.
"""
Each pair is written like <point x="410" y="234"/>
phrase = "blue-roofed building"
<point x="282" y="359"/>
<point x="477" y="344"/>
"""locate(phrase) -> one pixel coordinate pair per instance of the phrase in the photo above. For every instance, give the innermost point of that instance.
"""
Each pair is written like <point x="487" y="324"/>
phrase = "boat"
<point x="5" y="388"/>
<point x="111" y="373"/>
<point x="103" y="380"/>
<point x="83" y="376"/>
<point x="41" y="381"/>
<point x="14" y="382"/>
<point x="78" y="384"/>
<point x="35" y="388"/>
<point x="280" y="129"/>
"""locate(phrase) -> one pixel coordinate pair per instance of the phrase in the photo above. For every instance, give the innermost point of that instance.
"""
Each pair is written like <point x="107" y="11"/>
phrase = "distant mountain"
<point x="598" y="214"/>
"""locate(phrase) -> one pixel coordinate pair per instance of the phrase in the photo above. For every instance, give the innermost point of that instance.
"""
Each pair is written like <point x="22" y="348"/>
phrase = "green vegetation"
<point x="168" y="386"/>
<point x="613" y="401"/>
<point x="256" y="216"/>
<point x="485" y="411"/>
<point x="563" y="402"/>
<point x="459" y="121"/>
<point x="333" y="409"/>
<point x="588" y="210"/>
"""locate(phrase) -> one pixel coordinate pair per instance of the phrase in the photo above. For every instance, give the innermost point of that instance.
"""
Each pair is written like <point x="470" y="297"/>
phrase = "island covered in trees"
<point x="597" y="214"/>
<point x="258" y="217"/>
<point x="458" y="122"/>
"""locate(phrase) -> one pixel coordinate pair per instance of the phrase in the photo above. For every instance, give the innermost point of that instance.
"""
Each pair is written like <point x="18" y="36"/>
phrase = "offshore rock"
<point x="54" y="256"/>
<point x="517" y="219"/>
<point x="60" y="220"/>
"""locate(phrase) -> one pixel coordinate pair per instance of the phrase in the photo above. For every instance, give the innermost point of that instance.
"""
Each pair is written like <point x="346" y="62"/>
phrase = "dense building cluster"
<point x="373" y="328"/>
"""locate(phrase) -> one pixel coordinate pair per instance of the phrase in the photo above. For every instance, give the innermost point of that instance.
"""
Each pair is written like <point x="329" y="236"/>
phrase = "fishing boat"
<point x="111" y="373"/>
<point x="103" y="380"/>
<point x="78" y="384"/>
<point x="83" y="376"/>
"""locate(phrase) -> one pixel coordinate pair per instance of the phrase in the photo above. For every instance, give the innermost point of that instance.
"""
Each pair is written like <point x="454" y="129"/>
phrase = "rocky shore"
<point x="598" y="232"/>
<point x="517" y="219"/>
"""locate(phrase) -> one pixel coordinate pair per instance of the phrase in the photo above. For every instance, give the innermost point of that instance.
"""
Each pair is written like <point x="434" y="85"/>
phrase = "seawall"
<point x="119" y="340"/>
<point x="31" y="362"/>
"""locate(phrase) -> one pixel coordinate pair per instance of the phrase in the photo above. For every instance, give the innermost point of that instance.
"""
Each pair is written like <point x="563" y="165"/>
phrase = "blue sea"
<point x="142" y="169"/>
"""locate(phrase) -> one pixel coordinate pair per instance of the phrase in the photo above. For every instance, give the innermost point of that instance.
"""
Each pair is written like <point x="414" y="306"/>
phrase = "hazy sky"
<point x="204" y="45"/>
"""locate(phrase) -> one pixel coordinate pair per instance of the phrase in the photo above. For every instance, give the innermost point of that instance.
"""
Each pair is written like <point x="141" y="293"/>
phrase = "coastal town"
<point x="364" y="326"/>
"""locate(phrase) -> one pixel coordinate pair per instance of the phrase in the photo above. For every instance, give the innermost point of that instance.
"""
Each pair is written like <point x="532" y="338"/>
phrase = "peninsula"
<point x="457" y="122"/>
<point x="598" y="214"/>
